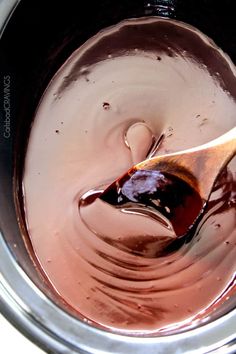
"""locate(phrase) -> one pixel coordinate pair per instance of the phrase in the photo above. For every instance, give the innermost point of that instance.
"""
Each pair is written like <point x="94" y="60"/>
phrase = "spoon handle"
<point x="217" y="154"/>
<point x="203" y="163"/>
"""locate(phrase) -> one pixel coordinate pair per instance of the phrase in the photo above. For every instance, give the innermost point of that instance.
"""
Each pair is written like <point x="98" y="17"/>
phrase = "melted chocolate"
<point x="105" y="262"/>
<point x="172" y="196"/>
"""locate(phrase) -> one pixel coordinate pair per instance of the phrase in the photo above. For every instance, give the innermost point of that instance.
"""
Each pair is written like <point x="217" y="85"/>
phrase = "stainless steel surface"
<point x="31" y="311"/>
<point x="6" y="9"/>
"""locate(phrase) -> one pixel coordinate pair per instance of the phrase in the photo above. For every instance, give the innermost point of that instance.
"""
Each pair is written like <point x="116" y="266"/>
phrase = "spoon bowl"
<point x="178" y="185"/>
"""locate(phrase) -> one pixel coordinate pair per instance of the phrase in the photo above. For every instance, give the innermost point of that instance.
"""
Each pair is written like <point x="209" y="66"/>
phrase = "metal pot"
<point x="36" y="38"/>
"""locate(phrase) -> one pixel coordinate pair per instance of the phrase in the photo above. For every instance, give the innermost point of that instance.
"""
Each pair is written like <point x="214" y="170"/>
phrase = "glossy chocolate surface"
<point x="102" y="262"/>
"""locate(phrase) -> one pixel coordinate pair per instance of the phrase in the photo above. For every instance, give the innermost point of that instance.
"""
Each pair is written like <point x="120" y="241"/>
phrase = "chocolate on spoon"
<point x="178" y="185"/>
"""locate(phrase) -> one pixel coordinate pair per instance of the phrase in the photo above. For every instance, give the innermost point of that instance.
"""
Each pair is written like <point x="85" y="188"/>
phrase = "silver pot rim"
<point x="54" y="330"/>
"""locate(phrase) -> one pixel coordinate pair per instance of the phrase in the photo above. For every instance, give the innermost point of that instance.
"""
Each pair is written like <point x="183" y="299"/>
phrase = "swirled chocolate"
<point x="142" y="87"/>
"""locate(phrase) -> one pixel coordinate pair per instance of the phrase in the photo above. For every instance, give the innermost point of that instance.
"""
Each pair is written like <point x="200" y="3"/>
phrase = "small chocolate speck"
<point x="169" y="132"/>
<point x="62" y="122"/>
<point x="217" y="226"/>
<point x="87" y="79"/>
<point x="203" y="122"/>
<point x="198" y="116"/>
<point x="106" y="105"/>
<point x="227" y="242"/>
<point x="159" y="58"/>
<point x="57" y="131"/>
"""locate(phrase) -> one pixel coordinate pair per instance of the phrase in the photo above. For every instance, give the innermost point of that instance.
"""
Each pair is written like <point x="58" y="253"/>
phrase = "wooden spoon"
<point x="178" y="185"/>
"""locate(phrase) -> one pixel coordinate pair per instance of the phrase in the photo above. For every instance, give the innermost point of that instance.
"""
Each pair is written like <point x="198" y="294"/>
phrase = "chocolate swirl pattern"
<point x="105" y="110"/>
